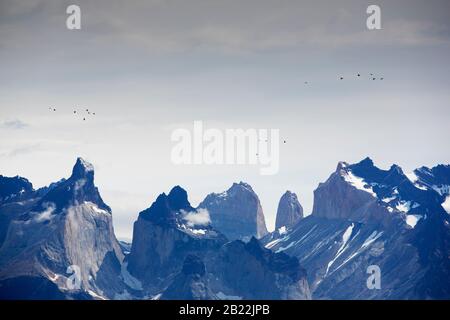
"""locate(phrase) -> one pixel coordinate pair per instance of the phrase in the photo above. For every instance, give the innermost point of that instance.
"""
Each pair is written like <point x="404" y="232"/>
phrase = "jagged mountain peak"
<point x="178" y="199"/>
<point x="289" y="211"/>
<point x="367" y="161"/>
<point x="236" y="212"/>
<point x="82" y="169"/>
<point x="166" y="208"/>
<point x="241" y="186"/>
<point x="76" y="190"/>
<point x="14" y="186"/>
<point x="341" y="165"/>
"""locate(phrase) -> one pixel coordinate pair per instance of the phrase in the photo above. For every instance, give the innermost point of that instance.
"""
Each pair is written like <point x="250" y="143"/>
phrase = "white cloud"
<point x="200" y="217"/>
<point x="45" y="215"/>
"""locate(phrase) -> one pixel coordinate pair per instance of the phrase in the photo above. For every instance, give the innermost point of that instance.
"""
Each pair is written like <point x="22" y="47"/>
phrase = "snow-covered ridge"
<point x="358" y="182"/>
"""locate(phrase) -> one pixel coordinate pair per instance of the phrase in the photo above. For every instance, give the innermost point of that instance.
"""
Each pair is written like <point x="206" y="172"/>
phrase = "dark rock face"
<point x="289" y="211"/>
<point x="366" y="216"/>
<point x="249" y="271"/>
<point x="237" y="212"/>
<point x="190" y="283"/>
<point x="67" y="224"/>
<point x="13" y="188"/>
<point x="163" y="237"/>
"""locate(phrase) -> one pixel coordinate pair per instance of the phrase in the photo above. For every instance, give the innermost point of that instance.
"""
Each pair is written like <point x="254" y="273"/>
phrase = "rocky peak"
<point x="82" y="170"/>
<point x="78" y="189"/>
<point x="166" y="208"/>
<point x="178" y="199"/>
<point x="236" y="212"/>
<point x="289" y="211"/>
<point x="14" y="186"/>
<point x="435" y="178"/>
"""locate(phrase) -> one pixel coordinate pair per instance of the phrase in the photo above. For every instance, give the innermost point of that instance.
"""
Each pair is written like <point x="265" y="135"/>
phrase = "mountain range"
<point x="58" y="242"/>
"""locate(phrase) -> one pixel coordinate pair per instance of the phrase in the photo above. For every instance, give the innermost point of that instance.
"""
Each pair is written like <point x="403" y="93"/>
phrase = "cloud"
<point x="14" y="124"/>
<point x="45" y="215"/>
<point x="224" y="26"/>
<point x="200" y="217"/>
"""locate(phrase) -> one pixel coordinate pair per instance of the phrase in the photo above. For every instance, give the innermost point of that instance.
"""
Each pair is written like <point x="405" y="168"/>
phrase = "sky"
<point x="148" y="67"/>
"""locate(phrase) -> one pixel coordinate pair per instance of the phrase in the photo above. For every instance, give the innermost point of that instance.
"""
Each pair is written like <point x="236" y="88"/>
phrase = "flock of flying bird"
<point x="75" y="112"/>
<point x="371" y="77"/>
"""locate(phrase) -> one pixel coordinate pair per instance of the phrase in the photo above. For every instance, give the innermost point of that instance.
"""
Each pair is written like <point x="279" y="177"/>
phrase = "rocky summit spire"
<point x="82" y="170"/>
<point x="236" y="212"/>
<point x="289" y="211"/>
<point x="165" y="209"/>
<point x="78" y="189"/>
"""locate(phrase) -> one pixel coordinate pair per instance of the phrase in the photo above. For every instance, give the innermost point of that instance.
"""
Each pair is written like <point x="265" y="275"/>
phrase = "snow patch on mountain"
<point x="95" y="208"/>
<point x="412" y="219"/>
<point x="358" y="183"/>
<point x="446" y="204"/>
<point x="371" y="239"/>
<point x="345" y="237"/>
<point x="406" y="206"/>
<point x="88" y="167"/>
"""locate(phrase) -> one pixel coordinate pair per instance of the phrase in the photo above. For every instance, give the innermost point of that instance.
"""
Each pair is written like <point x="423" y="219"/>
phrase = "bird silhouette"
<point x="359" y="75"/>
<point x="341" y="78"/>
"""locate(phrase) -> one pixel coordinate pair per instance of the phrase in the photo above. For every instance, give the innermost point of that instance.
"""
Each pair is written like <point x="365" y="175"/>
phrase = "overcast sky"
<point x="148" y="67"/>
